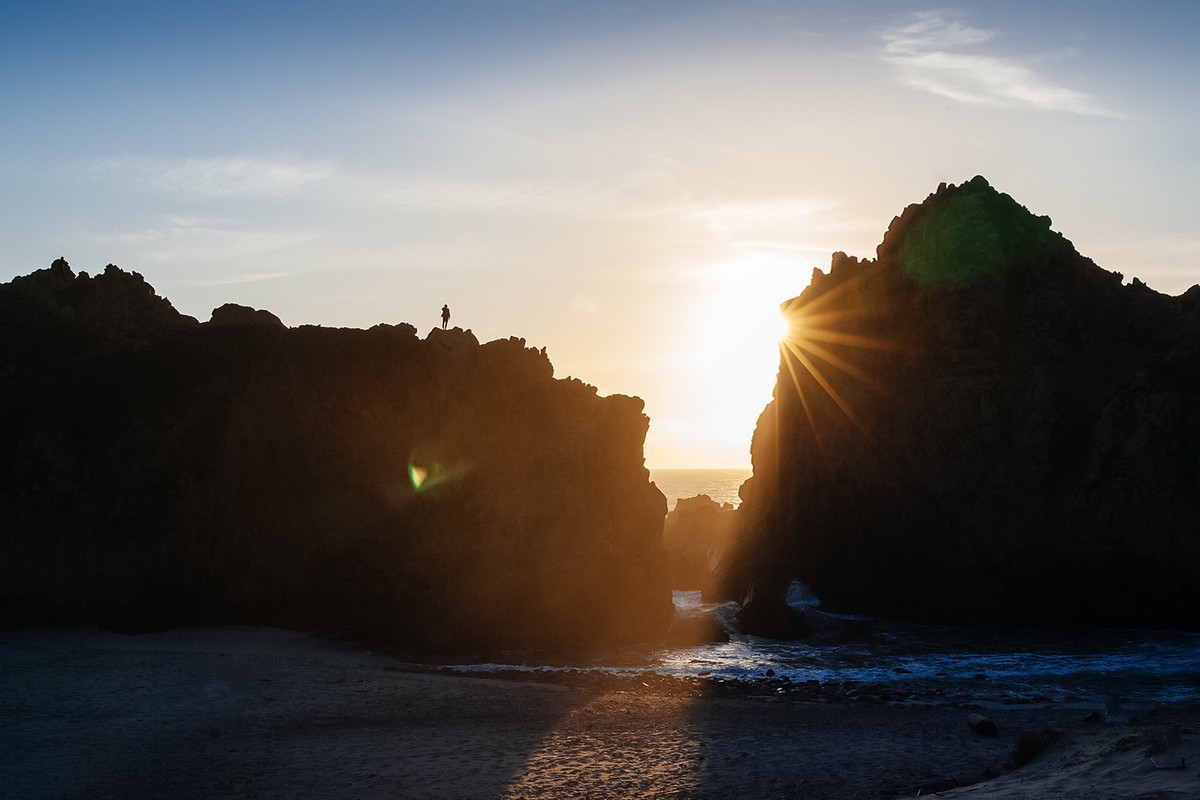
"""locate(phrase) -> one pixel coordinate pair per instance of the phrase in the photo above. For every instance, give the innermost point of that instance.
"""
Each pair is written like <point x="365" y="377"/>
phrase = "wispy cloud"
<point x="453" y="194"/>
<point x="797" y="224"/>
<point x="247" y="277"/>
<point x="450" y="192"/>
<point x="937" y="52"/>
<point x="257" y="177"/>
<point x="220" y="177"/>
<point x="730" y="219"/>
<point x="182" y="239"/>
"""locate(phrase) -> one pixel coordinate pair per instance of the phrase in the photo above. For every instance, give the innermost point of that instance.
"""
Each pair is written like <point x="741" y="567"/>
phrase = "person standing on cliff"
<point x="445" y="316"/>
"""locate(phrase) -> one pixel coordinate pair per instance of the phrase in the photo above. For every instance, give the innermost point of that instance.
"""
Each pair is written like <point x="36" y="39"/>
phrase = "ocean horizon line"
<point x="700" y="469"/>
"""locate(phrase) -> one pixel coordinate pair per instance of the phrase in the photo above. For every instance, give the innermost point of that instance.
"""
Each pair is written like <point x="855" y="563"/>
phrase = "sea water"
<point x="1087" y="669"/>
<point x="719" y="484"/>
<point x="925" y="663"/>
<point x="998" y="666"/>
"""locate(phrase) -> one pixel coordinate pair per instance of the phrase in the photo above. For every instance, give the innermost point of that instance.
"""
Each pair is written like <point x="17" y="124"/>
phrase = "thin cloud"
<point x="219" y="177"/>
<point x="936" y="53"/>
<point x="450" y="194"/>
<point x="733" y="220"/>
<point x="823" y="249"/>
<point x="228" y="280"/>
<point x="621" y="195"/>
<point x="185" y="239"/>
<point x="252" y="177"/>
<point x="783" y="224"/>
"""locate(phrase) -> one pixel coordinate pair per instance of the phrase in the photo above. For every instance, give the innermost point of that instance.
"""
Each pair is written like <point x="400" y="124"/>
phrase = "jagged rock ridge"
<point x="157" y="471"/>
<point x="980" y="425"/>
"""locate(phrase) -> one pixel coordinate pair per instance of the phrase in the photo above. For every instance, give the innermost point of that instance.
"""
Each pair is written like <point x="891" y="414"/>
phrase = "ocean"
<point x="719" y="484"/>
<point x="1085" y="669"/>
<point x="1123" y="671"/>
<point x="917" y="663"/>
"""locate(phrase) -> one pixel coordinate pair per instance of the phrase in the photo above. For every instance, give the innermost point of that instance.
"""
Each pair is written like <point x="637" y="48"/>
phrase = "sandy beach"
<point x="252" y="712"/>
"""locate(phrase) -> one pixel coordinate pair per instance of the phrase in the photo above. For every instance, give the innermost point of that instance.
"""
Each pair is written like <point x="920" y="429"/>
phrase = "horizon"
<point x="634" y="188"/>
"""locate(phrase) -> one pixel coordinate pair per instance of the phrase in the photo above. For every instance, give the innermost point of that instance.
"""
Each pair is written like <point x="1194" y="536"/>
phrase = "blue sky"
<point x="634" y="185"/>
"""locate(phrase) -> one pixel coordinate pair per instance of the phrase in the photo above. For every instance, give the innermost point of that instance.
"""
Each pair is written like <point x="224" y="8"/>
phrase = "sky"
<point x="635" y="186"/>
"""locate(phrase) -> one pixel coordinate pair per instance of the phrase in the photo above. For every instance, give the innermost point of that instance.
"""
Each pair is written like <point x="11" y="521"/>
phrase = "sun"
<point x="745" y="335"/>
<point x="733" y="332"/>
<point x="781" y="327"/>
<point x="818" y="346"/>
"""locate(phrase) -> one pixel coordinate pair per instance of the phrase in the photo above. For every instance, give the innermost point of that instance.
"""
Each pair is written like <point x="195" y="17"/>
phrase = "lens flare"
<point x="418" y="476"/>
<point x="425" y="470"/>
<point x="816" y="331"/>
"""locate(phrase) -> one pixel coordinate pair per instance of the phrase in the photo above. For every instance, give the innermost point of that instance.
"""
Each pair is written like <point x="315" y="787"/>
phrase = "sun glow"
<point x="782" y="327"/>
<point x="818" y="345"/>
<point x="729" y="344"/>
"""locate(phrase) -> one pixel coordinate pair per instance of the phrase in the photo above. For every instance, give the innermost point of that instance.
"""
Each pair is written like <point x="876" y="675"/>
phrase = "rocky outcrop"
<point x="233" y="314"/>
<point x="695" y="534"/>
<point x="54" y="307"/>
<point x="980" y="425"/>
<point x="442" y="493"/>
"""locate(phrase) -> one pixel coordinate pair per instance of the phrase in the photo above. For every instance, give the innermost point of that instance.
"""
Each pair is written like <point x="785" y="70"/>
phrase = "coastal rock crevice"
<point x="157" y="471"/>
<point x="980" y="425"/>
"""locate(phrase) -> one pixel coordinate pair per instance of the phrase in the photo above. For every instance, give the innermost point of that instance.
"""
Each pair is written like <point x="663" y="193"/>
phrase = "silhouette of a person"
<point x="445" y="316"/>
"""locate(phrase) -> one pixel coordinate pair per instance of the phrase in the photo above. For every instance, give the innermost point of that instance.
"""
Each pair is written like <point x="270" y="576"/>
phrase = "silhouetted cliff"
<point x="980" y="425"/>
<point x="157" y="471"/>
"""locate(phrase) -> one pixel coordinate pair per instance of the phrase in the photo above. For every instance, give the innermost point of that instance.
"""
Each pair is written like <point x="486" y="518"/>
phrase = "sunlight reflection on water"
<point x="719" y="484"/>
<point x="1142" y="667"/>
<point x="1147" y="666"/>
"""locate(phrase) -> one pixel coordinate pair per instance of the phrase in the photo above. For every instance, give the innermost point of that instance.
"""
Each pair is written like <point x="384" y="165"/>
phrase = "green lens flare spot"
<point x="418" y="476"/>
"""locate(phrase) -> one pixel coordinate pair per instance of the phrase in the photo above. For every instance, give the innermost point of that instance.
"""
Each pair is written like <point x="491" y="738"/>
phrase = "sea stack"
<point x="440" y="493"/>
<point x="980" y="426"/>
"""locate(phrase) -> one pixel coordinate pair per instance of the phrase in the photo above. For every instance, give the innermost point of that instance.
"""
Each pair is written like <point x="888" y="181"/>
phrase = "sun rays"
<point x="824" y="340"/>
<point x="724" y="329"/>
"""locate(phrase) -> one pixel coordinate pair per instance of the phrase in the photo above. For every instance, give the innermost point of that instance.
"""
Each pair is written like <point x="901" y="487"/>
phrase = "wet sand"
<point x="252" y="712"/>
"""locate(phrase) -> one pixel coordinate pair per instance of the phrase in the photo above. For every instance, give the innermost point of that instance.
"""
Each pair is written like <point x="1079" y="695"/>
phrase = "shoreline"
<point x="924" y="693"/>
<point x="249" y="712"/>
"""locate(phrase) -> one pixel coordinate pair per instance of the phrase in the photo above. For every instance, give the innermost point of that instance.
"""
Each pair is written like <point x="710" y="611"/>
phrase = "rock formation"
<point x="979" y="425"/>
<point x="233" y="314"/>
<point x="156" y="471"/>
<point x="696" y="534"/>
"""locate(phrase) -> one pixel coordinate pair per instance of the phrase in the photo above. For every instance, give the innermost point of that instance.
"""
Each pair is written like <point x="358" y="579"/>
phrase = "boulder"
<point x="763" y="615"/>
<point x="982" y="725"/>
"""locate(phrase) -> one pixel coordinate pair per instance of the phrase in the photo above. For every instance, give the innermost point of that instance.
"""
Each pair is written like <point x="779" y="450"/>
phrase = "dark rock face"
<point x="982" y="426"/>
<point x="437" y="492"/>
<point x="233" y="314"/>
<point x="112" y="306"/>
<point x="696" y="534"/>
